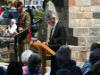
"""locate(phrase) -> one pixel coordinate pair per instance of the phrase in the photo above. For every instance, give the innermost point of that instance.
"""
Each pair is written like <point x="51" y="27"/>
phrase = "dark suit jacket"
<point x="58" y="38"/>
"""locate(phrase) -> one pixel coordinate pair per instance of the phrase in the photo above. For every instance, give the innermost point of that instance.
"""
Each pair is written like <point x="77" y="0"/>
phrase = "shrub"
<point x="38" y="14"/>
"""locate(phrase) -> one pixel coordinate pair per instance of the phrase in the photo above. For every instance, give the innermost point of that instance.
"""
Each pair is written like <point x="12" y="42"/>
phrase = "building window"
<point x="35" y="2"/>
<point x="27" y="2"/>
<point x="41" y="2"/>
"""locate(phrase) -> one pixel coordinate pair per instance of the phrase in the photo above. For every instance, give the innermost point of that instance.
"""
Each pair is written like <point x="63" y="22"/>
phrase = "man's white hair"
<point x="51" y="14"/>
<point x="25" y="55"/>
<point x="13" y="20"/>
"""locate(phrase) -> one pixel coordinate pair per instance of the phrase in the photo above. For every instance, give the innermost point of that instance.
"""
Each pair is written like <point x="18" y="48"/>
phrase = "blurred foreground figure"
<point x="64" y="62"/>
<point x="25" y="57"/>
<point x="3" y="71"/>
<point x="14" y="68"/>
<point x="88" y="66"/>
<point x="34" y="65"/>
<point x="96" y="68"/>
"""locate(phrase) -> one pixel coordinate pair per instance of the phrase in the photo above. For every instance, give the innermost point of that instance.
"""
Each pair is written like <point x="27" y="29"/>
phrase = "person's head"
<point x="34" y="63"/>
<point x="94" y="46"/>
<point x="25" y="56"/>
<point x="51" y="17"/>
<point x="95" y="56"/>
<point x="13" y="21"/>
<point x="33" y="7"/>
<point x="28" y="7"/>
<point x="96" y="68"/>
<point x="14" y="68"/>
<point x="19" y="6"/>
<point x="63" y="55"/>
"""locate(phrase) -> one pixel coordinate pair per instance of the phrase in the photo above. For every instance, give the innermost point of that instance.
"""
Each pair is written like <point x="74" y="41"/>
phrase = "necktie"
<point x="52" y="32"/>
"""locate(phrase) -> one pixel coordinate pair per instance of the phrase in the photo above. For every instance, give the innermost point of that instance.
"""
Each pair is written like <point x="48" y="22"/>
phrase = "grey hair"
<point x="13" y="20"/>
<point x="25" y="55"/>
<point x="51" y="14"/>
<point x="63" y="53"/>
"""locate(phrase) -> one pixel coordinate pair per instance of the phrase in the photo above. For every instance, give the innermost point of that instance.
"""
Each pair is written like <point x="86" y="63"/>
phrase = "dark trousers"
<point x="54" y="66"/>
<point x="15" y="47"/>
<point x="18" y="48"/>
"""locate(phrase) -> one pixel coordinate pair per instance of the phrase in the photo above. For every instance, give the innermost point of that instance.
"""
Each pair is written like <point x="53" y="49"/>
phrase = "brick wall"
<point x="84" y="19"/>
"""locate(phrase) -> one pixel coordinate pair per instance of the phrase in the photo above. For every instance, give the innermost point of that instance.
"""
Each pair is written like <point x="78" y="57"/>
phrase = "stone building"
<point x="84" y="21"/>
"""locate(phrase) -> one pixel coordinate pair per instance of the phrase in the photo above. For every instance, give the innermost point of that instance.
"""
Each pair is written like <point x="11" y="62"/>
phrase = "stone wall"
<point x="84" y="20"/>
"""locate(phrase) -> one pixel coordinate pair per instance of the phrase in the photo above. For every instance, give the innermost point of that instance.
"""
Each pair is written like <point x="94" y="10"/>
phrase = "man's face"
<point x="51" y="21"/>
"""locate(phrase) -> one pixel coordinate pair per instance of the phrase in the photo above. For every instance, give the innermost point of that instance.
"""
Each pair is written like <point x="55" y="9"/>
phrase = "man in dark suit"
<point x="57" y="37"/>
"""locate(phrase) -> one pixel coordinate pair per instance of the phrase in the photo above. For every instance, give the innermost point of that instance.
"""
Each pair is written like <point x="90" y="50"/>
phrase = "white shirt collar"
<point x="55" y="25"/>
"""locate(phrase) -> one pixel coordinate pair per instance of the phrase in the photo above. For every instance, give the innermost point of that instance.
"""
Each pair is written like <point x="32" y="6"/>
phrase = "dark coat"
<point x="58" y="38"/>
<point x="75" y="70"/>
<point x="95" y="56"/>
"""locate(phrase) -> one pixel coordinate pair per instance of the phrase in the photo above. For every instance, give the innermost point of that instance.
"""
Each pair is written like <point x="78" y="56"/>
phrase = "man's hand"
<point x="46" y="43"/>
<point x="38" y="41"/>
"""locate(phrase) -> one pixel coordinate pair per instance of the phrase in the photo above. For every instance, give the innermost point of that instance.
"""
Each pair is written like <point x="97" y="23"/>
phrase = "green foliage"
<point x="38" y="14"/>
<point x="6" y="3"/>
<point x="1" y="59"/>
<point x="3" y="3"/>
